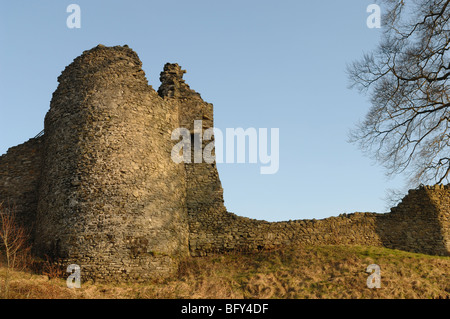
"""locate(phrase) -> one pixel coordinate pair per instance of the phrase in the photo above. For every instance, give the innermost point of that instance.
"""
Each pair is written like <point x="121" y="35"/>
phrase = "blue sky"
<point x="263" y="64"/>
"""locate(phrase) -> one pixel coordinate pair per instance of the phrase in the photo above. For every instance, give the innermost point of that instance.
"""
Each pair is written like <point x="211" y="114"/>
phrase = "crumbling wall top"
<point x="173" y="84"/>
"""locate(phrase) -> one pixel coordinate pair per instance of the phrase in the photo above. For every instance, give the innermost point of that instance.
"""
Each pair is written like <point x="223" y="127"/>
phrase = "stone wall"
<point x="20" y="170"/>
<point x="204" y="189"/>
<point x="205" y="204"/>
<point x="101" y="190"/>
<point x="420" y="223"/>
<point x="219" y="231"/>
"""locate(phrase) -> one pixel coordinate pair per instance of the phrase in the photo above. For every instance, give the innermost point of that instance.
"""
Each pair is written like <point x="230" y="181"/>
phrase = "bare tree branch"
<point x="406" y="77"/>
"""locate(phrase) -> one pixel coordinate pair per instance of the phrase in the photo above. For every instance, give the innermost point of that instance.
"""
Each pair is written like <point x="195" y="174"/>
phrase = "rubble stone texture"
<point x="99" y="188"/>
<point x="111" y="199"/>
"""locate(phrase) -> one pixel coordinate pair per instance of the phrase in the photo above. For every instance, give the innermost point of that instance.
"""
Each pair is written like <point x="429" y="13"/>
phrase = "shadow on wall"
<point x="20" y="170"/>
<point x="420" y="223"/>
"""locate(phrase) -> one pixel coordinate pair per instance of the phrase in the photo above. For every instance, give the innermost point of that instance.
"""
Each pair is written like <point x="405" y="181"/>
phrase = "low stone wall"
<point x="420" y="223"/>
<point x="219" y="231"/>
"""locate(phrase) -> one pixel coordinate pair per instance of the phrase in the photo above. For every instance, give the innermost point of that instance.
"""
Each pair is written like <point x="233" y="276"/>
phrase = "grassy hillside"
<point x="306" y="272"/>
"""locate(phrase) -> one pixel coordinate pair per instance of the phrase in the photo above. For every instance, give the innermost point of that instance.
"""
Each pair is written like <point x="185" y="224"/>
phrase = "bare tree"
<point x="13" y="243"/>
<point x="406" y="77"/>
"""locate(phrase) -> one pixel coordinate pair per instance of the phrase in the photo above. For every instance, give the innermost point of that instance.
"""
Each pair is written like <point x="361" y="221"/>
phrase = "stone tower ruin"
<point x="110" y="194"/>
<point x="99" y="189"/>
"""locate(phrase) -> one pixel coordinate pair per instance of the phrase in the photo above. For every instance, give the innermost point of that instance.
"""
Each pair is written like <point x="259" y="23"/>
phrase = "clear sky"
<point x="262" y="64"/>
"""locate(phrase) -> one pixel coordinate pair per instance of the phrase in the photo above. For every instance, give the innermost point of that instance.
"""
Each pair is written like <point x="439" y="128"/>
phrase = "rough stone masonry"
<point x="99" y="188"/>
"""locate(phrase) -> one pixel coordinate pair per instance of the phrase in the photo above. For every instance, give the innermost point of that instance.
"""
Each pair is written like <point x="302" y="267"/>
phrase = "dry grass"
<point x="306" y="272"/>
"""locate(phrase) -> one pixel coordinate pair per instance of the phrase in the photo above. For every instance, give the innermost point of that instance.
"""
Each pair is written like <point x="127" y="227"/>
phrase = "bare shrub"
<point x="52" y="269"/>
<point x="14" y="245"/>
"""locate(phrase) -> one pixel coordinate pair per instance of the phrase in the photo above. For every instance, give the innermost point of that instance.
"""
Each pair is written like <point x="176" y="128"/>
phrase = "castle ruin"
<point x="99" y="188"/>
